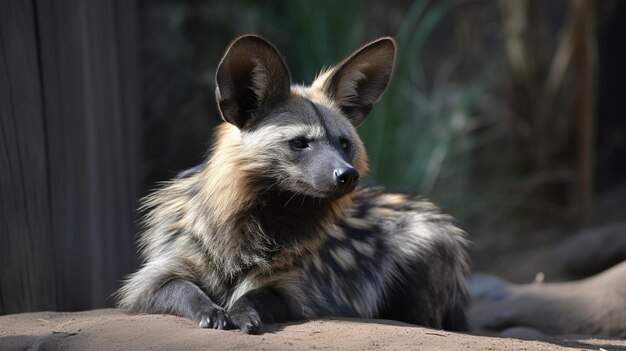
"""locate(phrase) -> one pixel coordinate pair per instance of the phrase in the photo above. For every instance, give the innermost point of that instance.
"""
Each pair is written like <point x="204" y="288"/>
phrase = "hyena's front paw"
<point x="216" y="319"/>
<point x="247" y="320"/>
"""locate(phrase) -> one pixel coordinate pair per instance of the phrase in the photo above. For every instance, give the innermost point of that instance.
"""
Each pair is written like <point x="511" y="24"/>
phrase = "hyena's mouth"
<point x="338" y="192"/>
<point x="332" y="192"/>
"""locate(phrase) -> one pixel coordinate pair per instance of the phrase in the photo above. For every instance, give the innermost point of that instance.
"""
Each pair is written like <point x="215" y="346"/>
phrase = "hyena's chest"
<point x="346" y="276"/>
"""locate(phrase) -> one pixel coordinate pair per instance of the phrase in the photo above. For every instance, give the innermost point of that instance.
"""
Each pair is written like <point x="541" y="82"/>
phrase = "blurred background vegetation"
<point x="509" y="114"/>
<point x="491" y="112"/>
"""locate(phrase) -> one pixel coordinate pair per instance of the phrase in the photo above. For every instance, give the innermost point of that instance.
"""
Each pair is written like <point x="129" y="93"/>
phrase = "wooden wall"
<point x="70" y="114"/>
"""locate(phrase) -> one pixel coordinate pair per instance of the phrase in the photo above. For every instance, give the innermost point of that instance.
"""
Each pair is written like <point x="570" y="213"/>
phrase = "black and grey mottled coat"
<point x="270" y="227"/>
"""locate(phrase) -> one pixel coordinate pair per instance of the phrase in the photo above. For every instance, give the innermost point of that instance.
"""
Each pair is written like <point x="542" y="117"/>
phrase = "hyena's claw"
<point x="251" y="327"/>
<point x="247" y="322"/>
<point x="225" y="324"/>
<point x="216" y="319"/>
<point x="204" y="322"/>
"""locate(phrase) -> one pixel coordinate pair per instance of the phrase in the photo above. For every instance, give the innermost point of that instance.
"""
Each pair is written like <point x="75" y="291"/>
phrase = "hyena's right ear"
<point x="251" y="78"/>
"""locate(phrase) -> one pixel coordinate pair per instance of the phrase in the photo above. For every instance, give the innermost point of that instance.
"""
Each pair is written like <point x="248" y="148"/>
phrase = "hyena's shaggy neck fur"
<point x="241" y="221"/>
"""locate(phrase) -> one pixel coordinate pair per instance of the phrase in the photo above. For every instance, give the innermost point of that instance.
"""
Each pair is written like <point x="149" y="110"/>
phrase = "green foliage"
<point x="416" y="136"/>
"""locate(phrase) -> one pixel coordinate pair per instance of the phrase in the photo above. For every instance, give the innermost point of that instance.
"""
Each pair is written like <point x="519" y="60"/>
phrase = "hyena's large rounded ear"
<point x="360" y="79"/>
<point x="251" y="78"/>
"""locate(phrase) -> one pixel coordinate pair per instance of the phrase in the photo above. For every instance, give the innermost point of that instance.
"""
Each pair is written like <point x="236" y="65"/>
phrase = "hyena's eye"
<point x="345" y="143"/>
<point x="299" y="143"/>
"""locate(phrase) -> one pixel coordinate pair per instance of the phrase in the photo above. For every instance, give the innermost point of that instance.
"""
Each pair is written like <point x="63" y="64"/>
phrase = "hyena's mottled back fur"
<point x="270" y="227"/>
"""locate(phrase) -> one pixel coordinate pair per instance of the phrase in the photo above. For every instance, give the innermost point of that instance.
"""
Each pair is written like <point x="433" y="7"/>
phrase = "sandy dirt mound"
<point x="111" y="329"/>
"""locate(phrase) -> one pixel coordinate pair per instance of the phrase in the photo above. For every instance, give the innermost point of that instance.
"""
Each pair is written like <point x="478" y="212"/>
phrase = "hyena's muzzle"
<point x="329" y="170"/>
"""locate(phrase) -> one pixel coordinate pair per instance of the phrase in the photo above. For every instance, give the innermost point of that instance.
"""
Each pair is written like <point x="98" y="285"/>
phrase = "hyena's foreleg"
<point x="183" y="298"/>
<point x="259" y="305"/>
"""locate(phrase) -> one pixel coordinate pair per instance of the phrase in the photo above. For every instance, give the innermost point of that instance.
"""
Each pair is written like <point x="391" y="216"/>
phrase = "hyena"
<point x="272" y="228"/>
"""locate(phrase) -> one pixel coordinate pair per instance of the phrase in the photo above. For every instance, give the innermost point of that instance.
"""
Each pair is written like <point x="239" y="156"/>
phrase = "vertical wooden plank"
<point x="130" y="72"/>
<point x="64" y="88"/>
<point x="26" y="265"/>
<point x="93" y="167"/>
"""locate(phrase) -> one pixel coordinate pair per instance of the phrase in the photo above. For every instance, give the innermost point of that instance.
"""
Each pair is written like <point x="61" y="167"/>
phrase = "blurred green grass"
<point x="417" y="137"/>
<point x="458" y="123"/>
<point x="427" y="136"/>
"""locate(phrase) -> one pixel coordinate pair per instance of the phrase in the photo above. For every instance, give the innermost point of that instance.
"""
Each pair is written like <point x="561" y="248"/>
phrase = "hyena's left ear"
<point x="360" y="79"/>
<point x="251" y="79"/>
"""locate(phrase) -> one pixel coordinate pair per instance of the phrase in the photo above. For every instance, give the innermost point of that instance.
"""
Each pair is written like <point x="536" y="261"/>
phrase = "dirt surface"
<point x="111" y="329"/>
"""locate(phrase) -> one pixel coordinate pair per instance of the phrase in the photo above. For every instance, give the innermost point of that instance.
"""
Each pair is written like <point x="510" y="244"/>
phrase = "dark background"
<point x="509" y="114"/>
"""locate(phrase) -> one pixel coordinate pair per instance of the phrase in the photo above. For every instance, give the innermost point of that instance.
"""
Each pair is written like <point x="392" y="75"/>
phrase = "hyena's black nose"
<point x="346" y="177"/>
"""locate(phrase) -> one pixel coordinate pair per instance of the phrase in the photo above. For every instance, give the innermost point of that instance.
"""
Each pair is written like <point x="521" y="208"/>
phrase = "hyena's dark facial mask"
<point x="326" y="164"/>
<point x="304" y="157"/>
